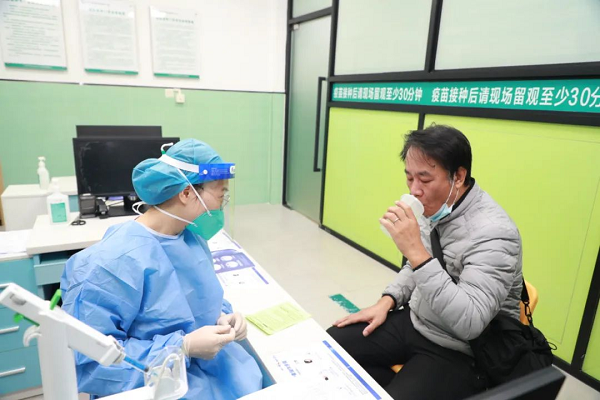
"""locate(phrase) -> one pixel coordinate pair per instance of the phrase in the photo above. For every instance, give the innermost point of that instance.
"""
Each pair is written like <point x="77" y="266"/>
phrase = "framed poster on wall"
<point x="108" y="36"/>
<point x="174" y="42"/>
<point x="31" y="34"/>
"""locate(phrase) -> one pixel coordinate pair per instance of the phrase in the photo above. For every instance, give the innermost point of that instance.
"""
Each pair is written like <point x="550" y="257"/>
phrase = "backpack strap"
<point x="525" y="300"/>
<point x="436" y="248"/>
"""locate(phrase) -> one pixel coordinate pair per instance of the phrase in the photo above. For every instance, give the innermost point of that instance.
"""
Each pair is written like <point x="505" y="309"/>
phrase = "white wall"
<point x="241" y="47"/>
<point x="480" y="34"/>
<point x="383" y="36"/>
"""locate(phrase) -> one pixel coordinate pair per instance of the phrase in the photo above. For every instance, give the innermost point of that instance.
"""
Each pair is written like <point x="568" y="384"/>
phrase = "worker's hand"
<point x="374" y="316"/>
<point x="206" y="342"/>
<point x="401" y="223"/>
<point x="237" y="322"/>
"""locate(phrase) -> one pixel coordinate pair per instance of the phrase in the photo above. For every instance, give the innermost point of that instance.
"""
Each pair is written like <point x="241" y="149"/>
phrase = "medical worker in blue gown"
<point x="150" y="282"/>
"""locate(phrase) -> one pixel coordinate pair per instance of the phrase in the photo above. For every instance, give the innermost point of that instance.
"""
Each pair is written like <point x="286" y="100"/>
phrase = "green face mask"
<point x="207" y="225"/>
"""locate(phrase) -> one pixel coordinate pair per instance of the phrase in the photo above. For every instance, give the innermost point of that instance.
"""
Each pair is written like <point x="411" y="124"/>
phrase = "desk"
<point x="13" y="257"/>
<point x="51" y="245"/>
<point x="23" y="203"/>
<point x="19" y="365"/>
<point x="48" y="238"/>
<point x="47" y="250"/>
<point x="256" y="297"/>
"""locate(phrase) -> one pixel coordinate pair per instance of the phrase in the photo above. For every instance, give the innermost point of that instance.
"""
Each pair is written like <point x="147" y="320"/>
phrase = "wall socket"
<point x="177" y="94"/>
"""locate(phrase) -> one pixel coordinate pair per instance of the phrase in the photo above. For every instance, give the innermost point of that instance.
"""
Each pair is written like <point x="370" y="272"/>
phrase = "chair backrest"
<point x="533" y="300"/>
<point x="542" y="384"/>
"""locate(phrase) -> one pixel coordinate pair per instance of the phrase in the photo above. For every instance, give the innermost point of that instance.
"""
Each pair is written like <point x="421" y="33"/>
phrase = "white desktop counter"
<point x="23" y="203"/>
<point x="248" y="287"/>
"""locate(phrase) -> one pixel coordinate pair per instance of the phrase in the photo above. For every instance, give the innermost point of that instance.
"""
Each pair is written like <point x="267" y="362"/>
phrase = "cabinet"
<point x="19" y="365"/>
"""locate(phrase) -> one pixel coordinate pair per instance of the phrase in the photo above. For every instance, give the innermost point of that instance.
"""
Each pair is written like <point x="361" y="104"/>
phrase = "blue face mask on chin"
<point x="441" y="213"/>
<point x="444" y="209"/>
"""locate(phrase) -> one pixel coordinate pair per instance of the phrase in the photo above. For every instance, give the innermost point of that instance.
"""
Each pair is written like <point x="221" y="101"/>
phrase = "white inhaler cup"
<point x="415" y="205"/>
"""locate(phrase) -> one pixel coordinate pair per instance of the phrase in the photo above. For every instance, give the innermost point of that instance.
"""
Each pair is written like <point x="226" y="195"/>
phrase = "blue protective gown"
<point x="148" y="290"/>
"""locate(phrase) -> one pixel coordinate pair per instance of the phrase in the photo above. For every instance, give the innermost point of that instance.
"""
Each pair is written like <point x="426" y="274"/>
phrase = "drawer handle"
<point x="13" y="372"/>
<point x="9" y="330"/>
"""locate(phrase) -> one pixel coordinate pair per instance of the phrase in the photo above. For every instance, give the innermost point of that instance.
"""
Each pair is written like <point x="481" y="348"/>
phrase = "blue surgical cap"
<point x="156" y="182"/>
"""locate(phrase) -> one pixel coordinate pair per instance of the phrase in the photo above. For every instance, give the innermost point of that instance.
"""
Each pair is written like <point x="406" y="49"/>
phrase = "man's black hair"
<point x="444" y="144"/>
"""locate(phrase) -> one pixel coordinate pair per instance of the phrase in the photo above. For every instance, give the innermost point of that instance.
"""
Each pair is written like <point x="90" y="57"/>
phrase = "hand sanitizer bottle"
<point x="58" y="205"/>
<point x="43" y="175"/>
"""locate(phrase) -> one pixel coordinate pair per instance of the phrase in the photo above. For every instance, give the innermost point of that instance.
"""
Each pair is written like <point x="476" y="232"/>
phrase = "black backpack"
<point x="506" y="349"/>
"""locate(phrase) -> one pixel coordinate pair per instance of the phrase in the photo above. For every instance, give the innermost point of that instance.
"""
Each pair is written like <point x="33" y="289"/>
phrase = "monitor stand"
<point x="125" y="209"/>
<point x="119" y="211"/>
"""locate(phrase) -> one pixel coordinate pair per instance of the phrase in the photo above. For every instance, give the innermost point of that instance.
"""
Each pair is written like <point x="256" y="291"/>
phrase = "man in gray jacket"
<point x="424" y="319"/>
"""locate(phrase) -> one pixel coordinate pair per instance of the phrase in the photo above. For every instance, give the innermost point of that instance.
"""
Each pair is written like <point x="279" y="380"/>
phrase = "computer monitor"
<point x="118" y="131"/>
<point x="543" y="384"/>
<point x="103" y="167"/>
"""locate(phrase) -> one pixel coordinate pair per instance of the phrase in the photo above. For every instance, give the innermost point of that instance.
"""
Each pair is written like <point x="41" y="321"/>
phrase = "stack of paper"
<point x="14" y="241"/>
<point x="222" y="241"/>
<point x="277" y="318"/>
<point x="299" y="389"/>
<point x="315" y="371"/>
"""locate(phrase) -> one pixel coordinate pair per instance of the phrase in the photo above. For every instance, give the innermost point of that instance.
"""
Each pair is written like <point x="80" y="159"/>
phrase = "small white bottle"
<point x="43" y="175"/>
<point x="58" y="205"/>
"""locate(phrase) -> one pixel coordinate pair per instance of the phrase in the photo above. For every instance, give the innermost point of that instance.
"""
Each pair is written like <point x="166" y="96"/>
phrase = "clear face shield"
<point x="229" y="210"/>
<point x="222" y="193"/>
<point x="217" y="195"/>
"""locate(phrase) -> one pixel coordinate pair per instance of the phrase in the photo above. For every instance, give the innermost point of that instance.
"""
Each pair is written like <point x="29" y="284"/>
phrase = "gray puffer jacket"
<point x="483" y="252"/>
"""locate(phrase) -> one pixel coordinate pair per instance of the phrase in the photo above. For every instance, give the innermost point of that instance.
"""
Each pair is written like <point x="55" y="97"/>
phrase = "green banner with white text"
<point x="576" y="95"/>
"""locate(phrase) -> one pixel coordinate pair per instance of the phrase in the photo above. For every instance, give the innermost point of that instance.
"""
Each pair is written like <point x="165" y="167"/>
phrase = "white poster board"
<point x="31" y="34"/>
<point x="174" y="42"/>
<point x="108" y="36"/>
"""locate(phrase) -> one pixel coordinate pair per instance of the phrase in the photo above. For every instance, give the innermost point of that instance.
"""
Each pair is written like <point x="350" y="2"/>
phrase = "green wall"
<point x="591" y="363"/>
<point x="364" y="174"/>
<point x="546" y="176"/>
<point x="246" y="128"/>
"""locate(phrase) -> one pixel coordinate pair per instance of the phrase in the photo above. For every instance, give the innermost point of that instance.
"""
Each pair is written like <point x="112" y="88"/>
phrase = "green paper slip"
<point x="345" y="303"/>
<point x="277" y="318"/>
